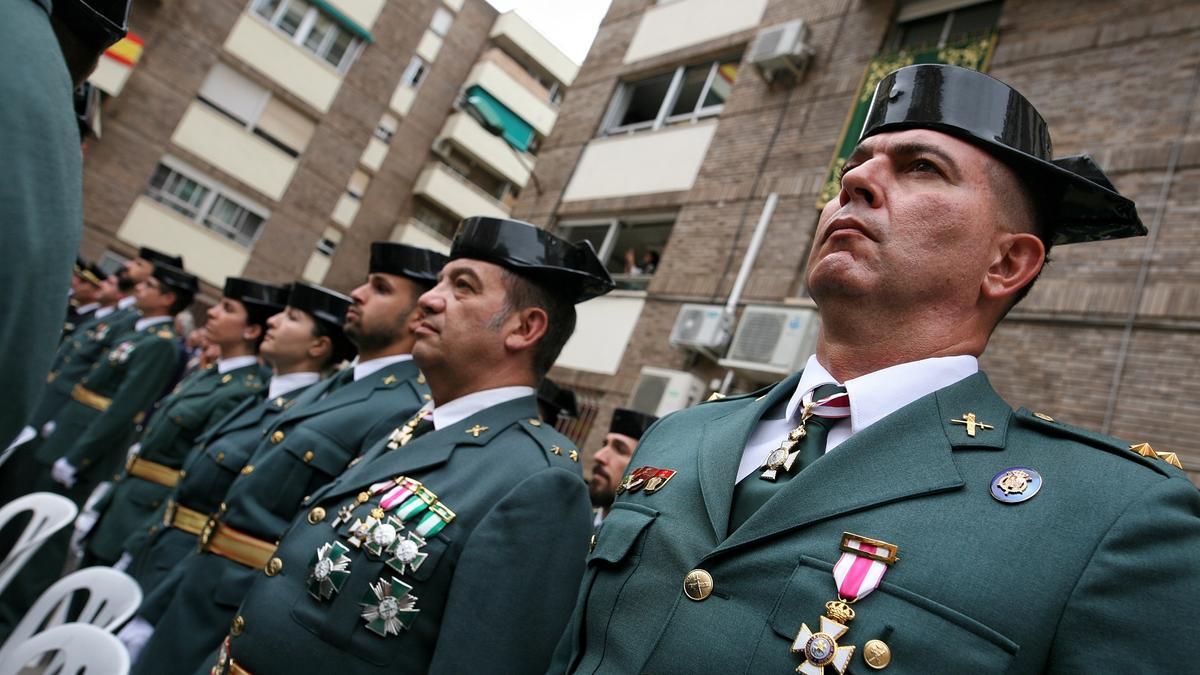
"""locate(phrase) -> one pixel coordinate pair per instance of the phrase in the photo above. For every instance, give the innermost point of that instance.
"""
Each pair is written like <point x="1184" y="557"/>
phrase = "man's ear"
<point x="525" y="328"/>
<point x="1018" y="260"/>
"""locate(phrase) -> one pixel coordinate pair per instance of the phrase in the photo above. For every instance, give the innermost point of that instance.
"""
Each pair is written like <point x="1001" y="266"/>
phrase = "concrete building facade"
<point x="671" y="142"/>
<point x="278" y="138"/>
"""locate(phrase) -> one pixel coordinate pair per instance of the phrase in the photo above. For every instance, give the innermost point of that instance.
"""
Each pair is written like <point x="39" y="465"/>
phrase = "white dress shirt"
<point x="365" y="368"/>
<point x="464" y="406"/>
<point x="126" y="302"/>
<point x="105" y="311"/>
<point x="282" y="384"/>
<point x="151" y="321"/>
<point x="235" y="362"/>
<point x="872" y="397"/>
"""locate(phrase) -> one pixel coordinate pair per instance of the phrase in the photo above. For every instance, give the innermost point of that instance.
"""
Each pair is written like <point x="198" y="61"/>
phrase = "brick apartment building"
<point x="672" y="140"/>
<point x="277" y="138"/>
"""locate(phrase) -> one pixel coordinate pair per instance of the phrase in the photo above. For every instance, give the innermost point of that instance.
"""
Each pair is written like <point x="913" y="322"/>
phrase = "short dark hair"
<point x="525" y="292"/>
<point x="257" y="315"/>
<point x="1028" y="203"/>
<point x="320" y="330"/>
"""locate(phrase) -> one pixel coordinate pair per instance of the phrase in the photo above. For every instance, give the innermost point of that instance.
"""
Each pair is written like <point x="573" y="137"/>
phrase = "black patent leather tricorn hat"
<point x="328" y="308"/>
<point x="530" y="251"/>
<point x="419" y="264"/>
<point x="177" y="280"/>
<point x="1079" y="202"/>
<point x="256" y="293"/>
<point x="630" y="422"/>
<point x="157" y="257"/>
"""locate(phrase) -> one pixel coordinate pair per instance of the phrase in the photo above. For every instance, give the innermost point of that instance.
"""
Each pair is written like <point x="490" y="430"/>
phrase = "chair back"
<point x="76" y="648"/>
<point x="51" y="513"/>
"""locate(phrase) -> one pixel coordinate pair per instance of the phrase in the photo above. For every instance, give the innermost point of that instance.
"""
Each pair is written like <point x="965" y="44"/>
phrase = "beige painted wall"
<point x="442" y="186"/>
<point x="402" y="99"/>
<point x="603" y="328"/>
<point x="270" y="53"/>
<point x="227" y="145"/>
<point x="416" y="234"/>
<point x="666" y="160"/>
<point x="429" y="46"/>
<point x="512" y="27"/>
<point x="345" y="210"/>
<point x="110" y="75"/>
<point x="362" y="12"/>
<point x="206" y="254"/>
<point x="492" y="151"/>
<point x="373" y="154"/>
<point x="539" y="114"/>
<point x="671" y="26"/>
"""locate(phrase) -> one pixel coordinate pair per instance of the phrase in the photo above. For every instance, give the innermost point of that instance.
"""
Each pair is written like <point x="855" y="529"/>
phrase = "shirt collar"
<point x="145" y="323"/>
<point x="365" y="368"/>
<point x="126" y="302"/>
<point x="876" y="395"/>
<point x="235" y="362"/>
<point x="464" y="406"/>
<point x="90" y="307"/>
<point x="105" y="311"/>
<point x="283" y="384"/>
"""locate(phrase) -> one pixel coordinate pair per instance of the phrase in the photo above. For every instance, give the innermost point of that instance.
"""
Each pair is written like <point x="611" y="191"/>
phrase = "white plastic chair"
<point x="113" y="597"/>
<point x="78" y="648"/>
<point x="51" y="513"/>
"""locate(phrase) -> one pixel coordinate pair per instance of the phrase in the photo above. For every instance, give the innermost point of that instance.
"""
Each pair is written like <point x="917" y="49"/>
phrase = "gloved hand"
<point x="134" y="636"/>
<point x="62" y="472"/>
<point x="133" y="451"/>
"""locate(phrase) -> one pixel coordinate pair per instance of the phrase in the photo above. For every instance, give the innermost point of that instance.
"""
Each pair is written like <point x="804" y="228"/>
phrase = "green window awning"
<point x="348" y="23"/>
<point x="516" y="131"/>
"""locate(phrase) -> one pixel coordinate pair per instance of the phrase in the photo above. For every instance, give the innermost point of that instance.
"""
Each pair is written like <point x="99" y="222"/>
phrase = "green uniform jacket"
<point x="496" y="588"/>
<point x="200" y="401"/>
<point x="75" y="357"/>
<point x="214" y="463"/>
<point x="41" y="204"/>
<point x="1096" y="573"/>
<point x="305" y="448"/>
<point x="133" y="374"/>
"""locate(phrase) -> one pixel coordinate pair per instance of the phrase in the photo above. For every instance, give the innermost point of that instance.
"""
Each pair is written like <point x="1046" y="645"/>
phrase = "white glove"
<point x="86" y="519"/>
<point x="123" y="563"/>
<point x="134" y="636"/>
<point x="62" y="472"/>
<point x="133" y="451"/>
<point x="48" y="428"/>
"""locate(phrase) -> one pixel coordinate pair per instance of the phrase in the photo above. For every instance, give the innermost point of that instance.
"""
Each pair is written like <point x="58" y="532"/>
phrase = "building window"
<point x="434" y="217"/>
<point x="442" y="18"/>
<point x="414" y="75"/>
<point x="629" y="246"/>
<point x="326" y="246"/>
<point x="310" y="28"/>
<point x="686" y="94"/>
<point x="206" y="203"/>
<point x="927" y="25"/>
<point x="252" y="106"/>
<point x="476" y="174"/>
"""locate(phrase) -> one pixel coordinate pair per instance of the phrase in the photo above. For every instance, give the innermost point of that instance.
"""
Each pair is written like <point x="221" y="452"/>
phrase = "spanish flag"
<point x="128" y="50"/>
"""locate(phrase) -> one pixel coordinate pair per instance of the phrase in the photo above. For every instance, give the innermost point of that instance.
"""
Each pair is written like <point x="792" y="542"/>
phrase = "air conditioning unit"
<point x="660" y="391"/>
<point x="782" y="51"/>
<point x="701" y="327"/>
<point x="772" y="341"/>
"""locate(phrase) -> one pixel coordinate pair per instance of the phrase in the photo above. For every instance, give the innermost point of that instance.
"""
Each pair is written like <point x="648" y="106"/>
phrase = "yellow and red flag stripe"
<point x="128" y="50"/>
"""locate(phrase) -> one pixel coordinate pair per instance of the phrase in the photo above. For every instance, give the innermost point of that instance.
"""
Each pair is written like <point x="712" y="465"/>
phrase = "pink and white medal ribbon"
<point x="857" y="573"/>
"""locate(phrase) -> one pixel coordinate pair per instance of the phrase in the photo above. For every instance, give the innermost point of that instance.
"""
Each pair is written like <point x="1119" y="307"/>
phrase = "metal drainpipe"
<point x="739" y="284"/>
<point x="1139" y="290"/>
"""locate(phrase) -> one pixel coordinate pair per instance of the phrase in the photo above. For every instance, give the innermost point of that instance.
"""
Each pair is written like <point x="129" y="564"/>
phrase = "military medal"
<point x="402" y="435"/>
<point x="857" y="573"/>
<point x="388" y="607"/>
<point x="328" y="570"/>
<point x="407" y="555"/>
<point x="347" y="511"/>
<point x="383" y="538"/>
<point x="1016" y="485"/>
<point x="637" y="479"/>
<point x="658" y="480"/>
<point x="361" y="530"/>
<point x="784" y="457"/>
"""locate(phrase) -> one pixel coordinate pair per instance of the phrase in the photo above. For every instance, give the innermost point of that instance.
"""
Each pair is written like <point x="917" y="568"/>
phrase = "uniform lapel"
<point x="905" y="455"/>
<point x="720" y="452"/>
<point x="354" y="392"/>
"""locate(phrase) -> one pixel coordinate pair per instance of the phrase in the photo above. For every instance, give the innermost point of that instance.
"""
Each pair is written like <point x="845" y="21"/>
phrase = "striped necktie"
<point x="805" y="444"/>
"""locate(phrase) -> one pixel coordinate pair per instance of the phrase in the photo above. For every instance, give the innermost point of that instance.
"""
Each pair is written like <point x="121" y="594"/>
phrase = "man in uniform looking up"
<point x="885" y="508"/>
<point x="456" y="545"/>
<point x="305" y="447"/>
<point x="612" y="459"/>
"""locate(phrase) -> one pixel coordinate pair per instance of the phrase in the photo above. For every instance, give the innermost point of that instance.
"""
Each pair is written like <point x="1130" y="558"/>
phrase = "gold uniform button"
<point x="277" y="437"/>
<point x="239" y="624"/>
<point x="274" y="565"/>
<point x="1043" y="416"/>
<point x="308" y="456"/>
<point x="698" y="585"/>
<point x="877" y="654"/>
<point x="247" y="470"/>
<point x="316" y="515"/>
<point x="535" y="422"/>
<point x="220" y="457"/>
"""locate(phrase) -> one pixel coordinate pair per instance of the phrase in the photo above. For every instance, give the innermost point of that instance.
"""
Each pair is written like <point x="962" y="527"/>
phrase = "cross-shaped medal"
<point x="972" y="424"/>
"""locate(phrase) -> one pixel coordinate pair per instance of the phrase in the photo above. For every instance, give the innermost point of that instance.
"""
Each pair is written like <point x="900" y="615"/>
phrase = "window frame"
<point x="250" y="125"/>
<point x="204" y="207"/>
<point x="305" y="27"/>
<point x="919" y="11"/>
<point x="604" y="250"/>
<point x="620" y="103"/>
<point x="416" y="63"/>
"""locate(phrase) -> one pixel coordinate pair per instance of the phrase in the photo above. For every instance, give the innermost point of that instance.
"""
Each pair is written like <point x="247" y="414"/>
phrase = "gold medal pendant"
<point x="785" y="456"/>
<point x="821" y="649"/>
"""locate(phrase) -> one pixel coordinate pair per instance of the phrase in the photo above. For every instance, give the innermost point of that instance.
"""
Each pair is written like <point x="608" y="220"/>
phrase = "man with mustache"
<point x="885" y="508"/>
<point x="456" y="545"/>
<point x="610" y="462"/>
<point x="304" y="448"/>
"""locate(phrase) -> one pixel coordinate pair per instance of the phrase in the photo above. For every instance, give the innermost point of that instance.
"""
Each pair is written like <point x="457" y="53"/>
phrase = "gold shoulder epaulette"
<point x="1145" y="450"/>
<point x="715" y="396"/>
<point x="165" y="334"/>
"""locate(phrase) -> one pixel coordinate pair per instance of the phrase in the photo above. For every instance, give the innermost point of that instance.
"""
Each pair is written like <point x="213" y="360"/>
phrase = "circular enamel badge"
<point x="1015" y="485"/>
